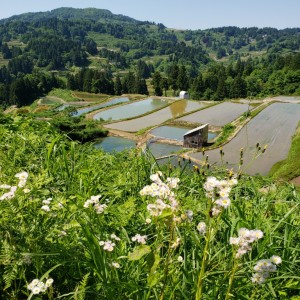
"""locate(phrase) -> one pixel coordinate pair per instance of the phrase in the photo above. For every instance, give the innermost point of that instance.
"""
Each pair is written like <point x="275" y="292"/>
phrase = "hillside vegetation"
<point x="94" y="50"/>
<point x="77" y="223"/>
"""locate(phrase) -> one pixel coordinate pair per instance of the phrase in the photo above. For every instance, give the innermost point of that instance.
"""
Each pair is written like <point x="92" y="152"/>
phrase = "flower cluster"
<point x="10" y="194"/>
<point x="139" y="238"/>
<point x="22" y="176"/>
<point x="264" y="267"/>
<point x="94" y="201"/>
<point x="245" y="238"/>
<point x="36" y="286"/>
<point x="107" y="245"/>
<point x="46" y="203"/>
<point x="218" y="191"/>
<point x="201" y="228"/>
<point x="163" y="192"/>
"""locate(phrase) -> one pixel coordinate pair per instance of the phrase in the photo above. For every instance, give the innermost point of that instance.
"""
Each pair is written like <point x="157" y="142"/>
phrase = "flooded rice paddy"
<point x="131" y="110"/>
<point x="217" y="115"/>
<point x="102" y="105"/>
<point x="174" y="110"/>
<point x="174" y="132"/>
<point x="114" y="144"/>
<point x="160" y="149"/>
<point x="274" y="126"/>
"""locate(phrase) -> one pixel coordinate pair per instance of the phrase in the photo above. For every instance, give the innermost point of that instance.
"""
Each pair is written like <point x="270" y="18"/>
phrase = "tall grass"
<point x="53" y="228"/>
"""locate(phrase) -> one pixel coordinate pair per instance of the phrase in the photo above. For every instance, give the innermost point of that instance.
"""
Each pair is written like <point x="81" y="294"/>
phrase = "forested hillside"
<point x="94" y="50"/>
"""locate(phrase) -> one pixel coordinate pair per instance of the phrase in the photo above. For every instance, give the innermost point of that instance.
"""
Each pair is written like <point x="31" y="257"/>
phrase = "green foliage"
<point x="290" y="167"/>
<point x="78" y="128"/>
<point x="66" y="241"/>
<point x="227" y="130"/>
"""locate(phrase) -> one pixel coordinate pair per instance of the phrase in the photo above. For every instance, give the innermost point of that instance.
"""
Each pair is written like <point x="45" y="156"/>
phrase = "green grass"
<point x="64" y="240"/>
<point x="66" y="95"/>
<point x="289" y="168"/>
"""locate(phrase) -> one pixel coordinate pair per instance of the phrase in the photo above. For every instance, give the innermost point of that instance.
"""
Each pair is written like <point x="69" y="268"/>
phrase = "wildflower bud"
<point x="179" y="161"/>
<point x="203" y="151"/>
<point x="257" y="145"/>
<point x="207" y="165"/>
<point x="241" y="152"/>
<point x="206" y="159"/>
<point x="221" y="151"/>
<point x="265" y="148"/>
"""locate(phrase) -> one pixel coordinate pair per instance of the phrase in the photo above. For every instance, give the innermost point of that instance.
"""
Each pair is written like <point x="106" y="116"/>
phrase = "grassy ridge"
<point x="290" y="167"/>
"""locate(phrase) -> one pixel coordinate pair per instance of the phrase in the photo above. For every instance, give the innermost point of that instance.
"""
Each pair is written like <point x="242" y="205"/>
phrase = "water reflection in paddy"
<point x="131" y="110"/>
<point x="174" y="133"/>
<point x="175" y="109"/>
<point x="102" y="105"/>
<point x="114" y="144"/>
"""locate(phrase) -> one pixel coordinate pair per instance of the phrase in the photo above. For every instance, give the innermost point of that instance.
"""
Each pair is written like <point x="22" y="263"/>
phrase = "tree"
<point x="182" y="79"/>
<point x="118" y="85"/>
<point x="157" y="83"/>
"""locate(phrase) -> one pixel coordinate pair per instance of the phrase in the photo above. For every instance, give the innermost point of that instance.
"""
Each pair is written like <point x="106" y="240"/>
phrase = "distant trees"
<point x="95" y="81"/>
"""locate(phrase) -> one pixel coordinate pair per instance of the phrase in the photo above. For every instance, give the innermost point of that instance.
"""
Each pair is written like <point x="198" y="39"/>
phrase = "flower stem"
<point x="231" y="278"/>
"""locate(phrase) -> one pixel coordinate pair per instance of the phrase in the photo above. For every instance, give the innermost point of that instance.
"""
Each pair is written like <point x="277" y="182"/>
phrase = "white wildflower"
<point x="116" y="265"/>
<point x="107" y="245"/>
<point x="148" y="221"/>
<point x="45" y="208"/>
<point x="276" y="260"/>
<point x="201" y="227"/>
<point x="180" y="259"/>
<point x="139" y="238"/>
<point x="114" y="237"/>
<point x="26" y="191"/>
<point x="36" y="290"/>
<point x="5" y="186"/>
<point x="49" y="282"/>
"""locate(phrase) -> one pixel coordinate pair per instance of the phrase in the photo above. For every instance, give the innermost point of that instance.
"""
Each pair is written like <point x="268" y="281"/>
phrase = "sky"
<point x="180" y="14"/>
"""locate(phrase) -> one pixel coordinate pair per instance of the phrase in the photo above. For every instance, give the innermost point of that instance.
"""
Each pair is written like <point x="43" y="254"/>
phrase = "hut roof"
<point x="195" y="129"/>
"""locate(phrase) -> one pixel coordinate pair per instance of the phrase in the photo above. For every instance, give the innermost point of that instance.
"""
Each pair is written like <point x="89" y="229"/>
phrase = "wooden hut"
<point x="196" y="138"/>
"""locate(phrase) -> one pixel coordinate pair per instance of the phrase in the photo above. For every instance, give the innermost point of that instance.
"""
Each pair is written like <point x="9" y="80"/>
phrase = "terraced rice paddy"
<point x="102" y="105"/>
<point x="131" y="110"/>
<point x="174" y="133"/>
<point x="159" y="149"/>
<point x="274" y="126"/>
<point x="217" y="115"/>
<point x="174" y="110"/>
<point x="114" y="144"/>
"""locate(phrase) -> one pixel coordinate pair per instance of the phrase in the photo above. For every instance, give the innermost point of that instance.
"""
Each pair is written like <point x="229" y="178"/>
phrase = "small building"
<point x="196" y="138"/>
<point x="184" y="95"/>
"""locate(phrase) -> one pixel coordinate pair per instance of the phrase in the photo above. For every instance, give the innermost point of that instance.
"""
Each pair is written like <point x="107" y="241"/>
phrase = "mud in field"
<point x="274" y="126"/>
<point x="174" y="110"/>
<point x="217" y="115"/>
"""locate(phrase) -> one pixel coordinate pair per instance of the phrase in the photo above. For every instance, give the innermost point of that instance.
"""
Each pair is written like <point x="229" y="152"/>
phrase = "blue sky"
<point x="180" y="14"/>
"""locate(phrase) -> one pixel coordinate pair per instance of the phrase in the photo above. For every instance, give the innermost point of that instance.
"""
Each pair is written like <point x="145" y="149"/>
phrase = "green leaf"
<point x="153" y="277"/>
<point x="139" y="252"/>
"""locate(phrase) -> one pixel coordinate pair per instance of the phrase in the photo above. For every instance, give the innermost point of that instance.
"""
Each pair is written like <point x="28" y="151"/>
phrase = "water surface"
<point x="102" y="105"/>
<point x="114" y="144"/>
<point x="174" y="132"/>
<point x="131" y="110"/>
<point x="174" y="110"/>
